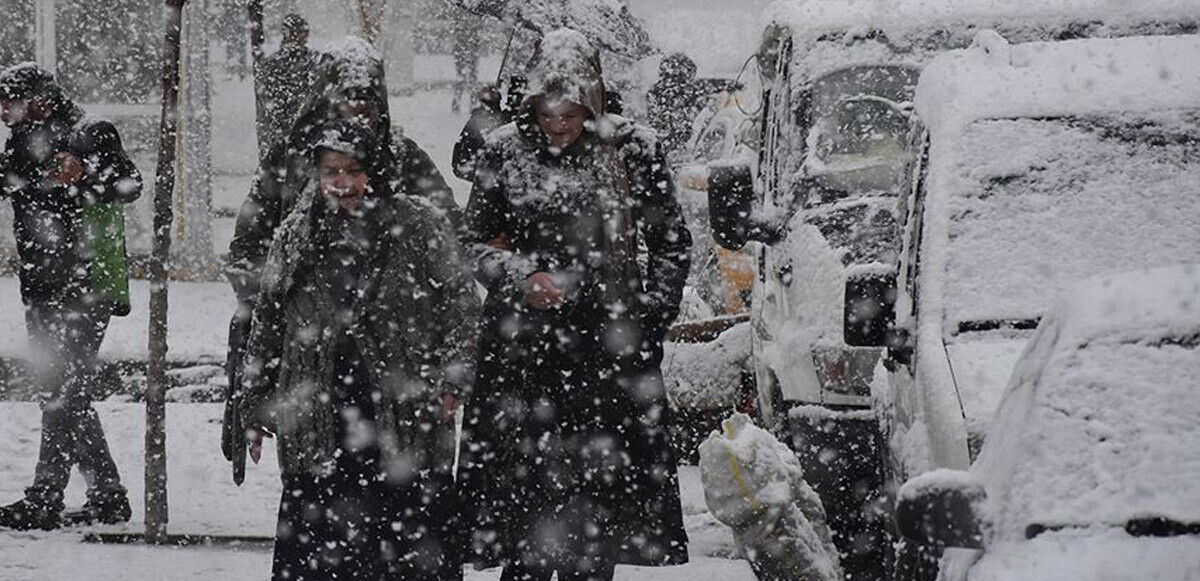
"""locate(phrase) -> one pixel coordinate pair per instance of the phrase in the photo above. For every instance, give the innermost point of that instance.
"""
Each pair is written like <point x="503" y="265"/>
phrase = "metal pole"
<point x="156" y="375"/>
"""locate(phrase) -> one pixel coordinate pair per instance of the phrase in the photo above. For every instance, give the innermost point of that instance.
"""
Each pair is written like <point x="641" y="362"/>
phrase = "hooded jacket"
<point x="407" y="318"/>
<point x="48" y="216"/>
<point x="349" y="69"/>
<point x="554" y="384"/>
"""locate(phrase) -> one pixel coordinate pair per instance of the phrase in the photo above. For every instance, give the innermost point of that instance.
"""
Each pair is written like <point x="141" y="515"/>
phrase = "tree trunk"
<point x="156" y="376"/>
<point x="192" y="249"/>
<point x="257" y="39"/>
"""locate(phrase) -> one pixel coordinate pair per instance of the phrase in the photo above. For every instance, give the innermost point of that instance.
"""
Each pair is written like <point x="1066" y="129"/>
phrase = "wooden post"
<point x="156" y="375"/>
<point x="254" y="10"/>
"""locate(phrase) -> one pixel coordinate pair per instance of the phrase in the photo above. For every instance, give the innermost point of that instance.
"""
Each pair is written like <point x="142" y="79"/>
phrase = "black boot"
<point x="107" y="508"/>
<point x="28" y="514"/>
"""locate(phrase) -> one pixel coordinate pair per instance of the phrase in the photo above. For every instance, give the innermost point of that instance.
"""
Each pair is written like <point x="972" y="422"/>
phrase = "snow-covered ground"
<point x="204" y="500"/>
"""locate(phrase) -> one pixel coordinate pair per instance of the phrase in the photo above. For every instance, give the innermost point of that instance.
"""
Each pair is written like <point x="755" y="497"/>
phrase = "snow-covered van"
<point x="839" y="143"/>
<point x="1039" y="165"/>
<point x="1091" y="469"/>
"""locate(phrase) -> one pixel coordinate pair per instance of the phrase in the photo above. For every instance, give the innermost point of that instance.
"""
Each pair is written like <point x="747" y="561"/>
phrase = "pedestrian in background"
<point x="287" y="80"/>
<point x="467" y="30"/>
<point x="67" y="179"/>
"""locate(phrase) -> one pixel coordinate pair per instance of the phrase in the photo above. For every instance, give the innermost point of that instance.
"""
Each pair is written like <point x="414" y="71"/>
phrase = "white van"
<point x="839" y="146"/>
<point x="1041" y="164"/>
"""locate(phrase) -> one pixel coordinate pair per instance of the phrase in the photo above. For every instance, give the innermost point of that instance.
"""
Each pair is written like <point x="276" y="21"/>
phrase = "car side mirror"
<point x="941" y="509"/>
<point x="869" y="311"/>
<point x="730" y="204"/>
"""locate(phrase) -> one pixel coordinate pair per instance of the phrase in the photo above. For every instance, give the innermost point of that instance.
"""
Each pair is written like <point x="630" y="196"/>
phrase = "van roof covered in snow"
<point x="900" y="18"/>
<point x="993" y="79"/>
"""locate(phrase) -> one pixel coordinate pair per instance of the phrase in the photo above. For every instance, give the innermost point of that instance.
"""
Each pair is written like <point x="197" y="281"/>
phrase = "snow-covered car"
<point x="1091" y="469"/>
<point x="839" y="146"/>
<point x="1042" y="164"/>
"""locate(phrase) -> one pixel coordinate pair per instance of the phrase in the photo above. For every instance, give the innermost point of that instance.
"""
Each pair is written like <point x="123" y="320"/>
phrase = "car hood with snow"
<point x="1090" y="466"/>
<point x="1036" y="179"/>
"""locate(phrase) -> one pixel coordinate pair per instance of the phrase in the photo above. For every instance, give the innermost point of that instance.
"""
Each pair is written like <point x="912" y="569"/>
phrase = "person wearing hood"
<point x="675" y="100"/>
<point x="580" y="242"/>
<point x="288" y="77"/>
<point x="360" y="348"/>
<point x="350" y="85"/>
<point x="56" y="168"/>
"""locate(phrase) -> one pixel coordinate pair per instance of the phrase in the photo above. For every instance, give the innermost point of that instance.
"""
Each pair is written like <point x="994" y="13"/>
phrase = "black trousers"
<point x="66" y="340"/>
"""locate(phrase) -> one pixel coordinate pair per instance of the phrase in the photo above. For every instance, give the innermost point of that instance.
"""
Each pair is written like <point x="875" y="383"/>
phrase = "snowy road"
<point x="203" y="500"/>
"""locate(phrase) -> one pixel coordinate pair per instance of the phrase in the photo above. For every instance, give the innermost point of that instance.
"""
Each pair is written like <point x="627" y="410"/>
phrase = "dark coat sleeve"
<point x="257" y="221"/>
<point x="261" y="362"/>
<point x="455" y="313"/>
<point x="496" y="267"/>
<point x="661" y="224"/>
<point x="109" y="176"/>
<point x="471" y="140"/>
<point x="420" y="177"/>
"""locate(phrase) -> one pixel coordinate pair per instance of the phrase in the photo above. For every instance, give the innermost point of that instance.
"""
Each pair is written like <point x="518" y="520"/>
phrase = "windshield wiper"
<point x="1153" y="526"/>
<point x="1157" y="526"/>
<point x="994" y="324"/>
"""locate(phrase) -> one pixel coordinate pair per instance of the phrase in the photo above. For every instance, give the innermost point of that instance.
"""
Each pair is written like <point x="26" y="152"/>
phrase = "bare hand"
<point x="449" y="406"/>
<point x="67" y="169"/>
<point x="540" y="291"/>
<point x="254" y="437"/>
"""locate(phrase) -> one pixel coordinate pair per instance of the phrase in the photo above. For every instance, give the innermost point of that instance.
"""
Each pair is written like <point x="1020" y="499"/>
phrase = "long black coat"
<point x="567" y="451"/>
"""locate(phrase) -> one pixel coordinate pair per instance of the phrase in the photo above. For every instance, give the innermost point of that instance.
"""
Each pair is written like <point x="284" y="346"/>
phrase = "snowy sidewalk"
<point x="204" y="500"/>
<point x="197" y="324"/>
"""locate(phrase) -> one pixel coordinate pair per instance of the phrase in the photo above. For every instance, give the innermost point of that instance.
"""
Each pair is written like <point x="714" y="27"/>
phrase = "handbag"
<point x="104" y="233"/>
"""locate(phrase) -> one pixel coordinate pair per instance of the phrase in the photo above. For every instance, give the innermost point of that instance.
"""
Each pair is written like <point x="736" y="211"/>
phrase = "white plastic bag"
<point x="754" y="484"/>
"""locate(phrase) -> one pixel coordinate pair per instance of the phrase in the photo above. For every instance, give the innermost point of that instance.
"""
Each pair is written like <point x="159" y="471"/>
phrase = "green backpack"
<point x="104" y="231"/>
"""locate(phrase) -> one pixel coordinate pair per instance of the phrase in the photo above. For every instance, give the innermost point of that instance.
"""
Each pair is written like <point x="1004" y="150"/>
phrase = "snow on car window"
<point x="1040" y="203"/>
<point x="1110" y="438"/>
<point x="859" y="136"/>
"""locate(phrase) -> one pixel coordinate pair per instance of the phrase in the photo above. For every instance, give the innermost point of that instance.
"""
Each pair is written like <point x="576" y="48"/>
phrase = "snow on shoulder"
<point x="1044" y="79"/>
<point x="902" y="18"/>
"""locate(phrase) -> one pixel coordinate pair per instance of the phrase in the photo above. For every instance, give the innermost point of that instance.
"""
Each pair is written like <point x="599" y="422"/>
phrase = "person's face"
<point x="359" y="109"/>
<point x="562" y="123"/>
<point x="297" y="37"/>
<point x="343" y="180"/>
<point x="13" y="112"/>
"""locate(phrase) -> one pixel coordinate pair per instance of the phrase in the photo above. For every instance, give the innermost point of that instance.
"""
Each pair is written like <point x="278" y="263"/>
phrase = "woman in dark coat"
<point x="580" y="242"/>
<point x="361" y="344"/>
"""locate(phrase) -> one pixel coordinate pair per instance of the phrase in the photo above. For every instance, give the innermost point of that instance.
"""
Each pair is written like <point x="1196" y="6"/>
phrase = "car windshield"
<point x="859" y="137"/>
<point x="1037" y="204"/>
<point x="1109" y="436"/>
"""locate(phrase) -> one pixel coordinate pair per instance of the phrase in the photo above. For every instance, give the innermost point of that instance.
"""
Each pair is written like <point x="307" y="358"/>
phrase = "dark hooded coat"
<point x="353" y="69"/>
<point x="48" y="217"/>
<point x="362" y="326"/>
<point x="568" y="451"/>
<point x="288" y="77"/>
